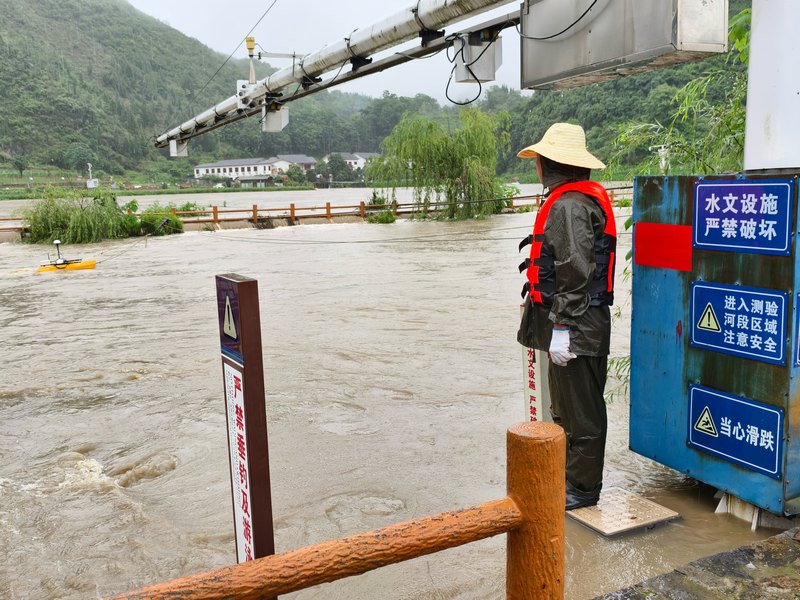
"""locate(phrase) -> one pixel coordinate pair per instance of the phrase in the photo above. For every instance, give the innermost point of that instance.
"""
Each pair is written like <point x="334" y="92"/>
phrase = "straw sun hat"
<point x="565" y="144"/>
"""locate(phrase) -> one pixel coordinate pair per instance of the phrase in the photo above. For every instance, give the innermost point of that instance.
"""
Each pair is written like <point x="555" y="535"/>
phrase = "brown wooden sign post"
<point x="243" y="379"/>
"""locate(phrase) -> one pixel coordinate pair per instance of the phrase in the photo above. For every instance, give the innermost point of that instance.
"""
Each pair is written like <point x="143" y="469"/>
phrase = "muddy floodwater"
<point x="392" y="374"/>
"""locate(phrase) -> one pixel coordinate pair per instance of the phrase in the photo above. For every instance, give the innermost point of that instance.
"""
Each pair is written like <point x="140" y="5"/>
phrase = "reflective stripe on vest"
<point x="596" y="192"/>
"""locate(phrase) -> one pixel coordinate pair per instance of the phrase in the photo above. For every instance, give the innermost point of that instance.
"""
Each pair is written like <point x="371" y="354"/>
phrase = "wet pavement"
<point x="766" y="570"/>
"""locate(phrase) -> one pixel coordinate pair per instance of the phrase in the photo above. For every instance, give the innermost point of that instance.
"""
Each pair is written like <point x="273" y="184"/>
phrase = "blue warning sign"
<point x="750" y="215"/>
<point x="739" y="320"/>
<point x="229" y="321"/>
<point x="797" y="320"/>
<point x="742" y="431"/>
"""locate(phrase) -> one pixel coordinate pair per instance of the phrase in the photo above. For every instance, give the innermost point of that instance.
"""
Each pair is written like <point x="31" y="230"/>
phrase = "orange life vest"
<point x="540" y="266"/>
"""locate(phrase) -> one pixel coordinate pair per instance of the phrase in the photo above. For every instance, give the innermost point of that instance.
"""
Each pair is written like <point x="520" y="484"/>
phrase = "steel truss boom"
<point x="424" y="19"/>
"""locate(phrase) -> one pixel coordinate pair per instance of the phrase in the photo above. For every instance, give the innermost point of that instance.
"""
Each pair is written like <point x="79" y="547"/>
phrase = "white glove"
<point x="559" y="347"/>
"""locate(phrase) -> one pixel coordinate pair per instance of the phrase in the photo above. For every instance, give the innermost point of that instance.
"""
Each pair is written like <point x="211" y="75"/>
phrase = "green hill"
<point x="96" y="77"/>
<point x="96" y="80"/>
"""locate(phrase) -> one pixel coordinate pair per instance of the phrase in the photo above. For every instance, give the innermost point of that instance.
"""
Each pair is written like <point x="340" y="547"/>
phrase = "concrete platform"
<point x="769" y="569"/>
<point x="620" y="511"/>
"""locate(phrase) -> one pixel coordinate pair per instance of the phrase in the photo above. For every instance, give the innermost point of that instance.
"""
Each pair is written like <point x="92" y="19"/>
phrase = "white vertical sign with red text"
<point x="532" y="375"/>
<point x="536" y="388"/>
<point x="240" y="468"/>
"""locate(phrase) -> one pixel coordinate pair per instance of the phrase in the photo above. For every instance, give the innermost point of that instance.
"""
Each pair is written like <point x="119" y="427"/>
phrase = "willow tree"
<point x="456" y="168"/>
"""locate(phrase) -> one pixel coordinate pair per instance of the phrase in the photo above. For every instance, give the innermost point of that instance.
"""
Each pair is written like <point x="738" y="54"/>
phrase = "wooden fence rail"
<point x="295" y="213"/>
<point x="18" y="228"/>
<point x="532" y="514"/>
<point x="215" y="215"/>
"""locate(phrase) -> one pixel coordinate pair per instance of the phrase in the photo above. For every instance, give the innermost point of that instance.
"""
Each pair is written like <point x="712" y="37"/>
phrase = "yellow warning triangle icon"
<point x="708" y="320"/>
<point x="229" y="325"/>
<point x="705" y="424"/>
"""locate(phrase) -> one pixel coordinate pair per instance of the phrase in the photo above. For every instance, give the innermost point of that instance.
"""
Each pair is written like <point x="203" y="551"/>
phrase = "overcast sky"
<point x="305" y="27"/>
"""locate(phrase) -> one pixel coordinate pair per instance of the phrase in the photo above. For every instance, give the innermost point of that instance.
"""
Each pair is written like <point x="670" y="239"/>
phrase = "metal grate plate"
<point x="620" y="511"/>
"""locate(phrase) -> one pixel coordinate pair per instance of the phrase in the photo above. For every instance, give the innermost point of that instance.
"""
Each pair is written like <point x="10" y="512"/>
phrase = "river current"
<point x="392" y="373"/>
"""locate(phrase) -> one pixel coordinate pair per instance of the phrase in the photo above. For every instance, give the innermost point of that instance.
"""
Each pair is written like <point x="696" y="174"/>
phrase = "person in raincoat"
<point x="569" y="288"/>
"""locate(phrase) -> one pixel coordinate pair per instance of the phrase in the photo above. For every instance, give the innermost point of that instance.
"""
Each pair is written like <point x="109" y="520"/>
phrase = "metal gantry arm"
<point x="423" y="19"/>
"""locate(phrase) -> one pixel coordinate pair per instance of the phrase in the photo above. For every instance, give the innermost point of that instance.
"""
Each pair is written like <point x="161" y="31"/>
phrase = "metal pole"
<point x="425" y="15"/>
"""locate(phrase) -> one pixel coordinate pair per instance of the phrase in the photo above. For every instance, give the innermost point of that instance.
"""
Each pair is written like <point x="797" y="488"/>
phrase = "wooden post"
<point x="394" y="207"/>
<point x="362" y="210"/>
<point x="291" y="212"/>
<point x="243" y="382"/>
<point x="328" y="210"/>
<point x="611" y="196"/>
<point x="255" y="214"/>
<point x="535" y="556"/>
<point x="511" y="203"/>
<point x="215" y="214"/>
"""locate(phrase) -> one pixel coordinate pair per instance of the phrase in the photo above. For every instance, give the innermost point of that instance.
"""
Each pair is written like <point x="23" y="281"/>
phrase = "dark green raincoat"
<point x="576" y="390"/>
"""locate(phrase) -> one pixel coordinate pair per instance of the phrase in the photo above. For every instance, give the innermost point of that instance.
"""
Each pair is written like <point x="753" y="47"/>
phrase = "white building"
<point x="282" y="162"/>
<point x="251" y="167"/>
<point x="354" y="160"/>
<point x="233" y="169"/>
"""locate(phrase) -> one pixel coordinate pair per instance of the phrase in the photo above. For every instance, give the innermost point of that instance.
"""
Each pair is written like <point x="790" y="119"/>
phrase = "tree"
<point x="77" y="155"/>
<point x="380" y="117"/>
<point x="20" y="163"/>
<point x="296" y="174"/>
<point x="457" y="167"/>
<point x="498" y="98"/>
<point x="706" y="130"/>
<point x="338" y="168"/>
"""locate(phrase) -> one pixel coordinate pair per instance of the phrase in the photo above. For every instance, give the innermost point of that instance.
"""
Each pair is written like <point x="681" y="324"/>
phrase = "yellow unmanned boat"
<point x="64" y="264"/>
